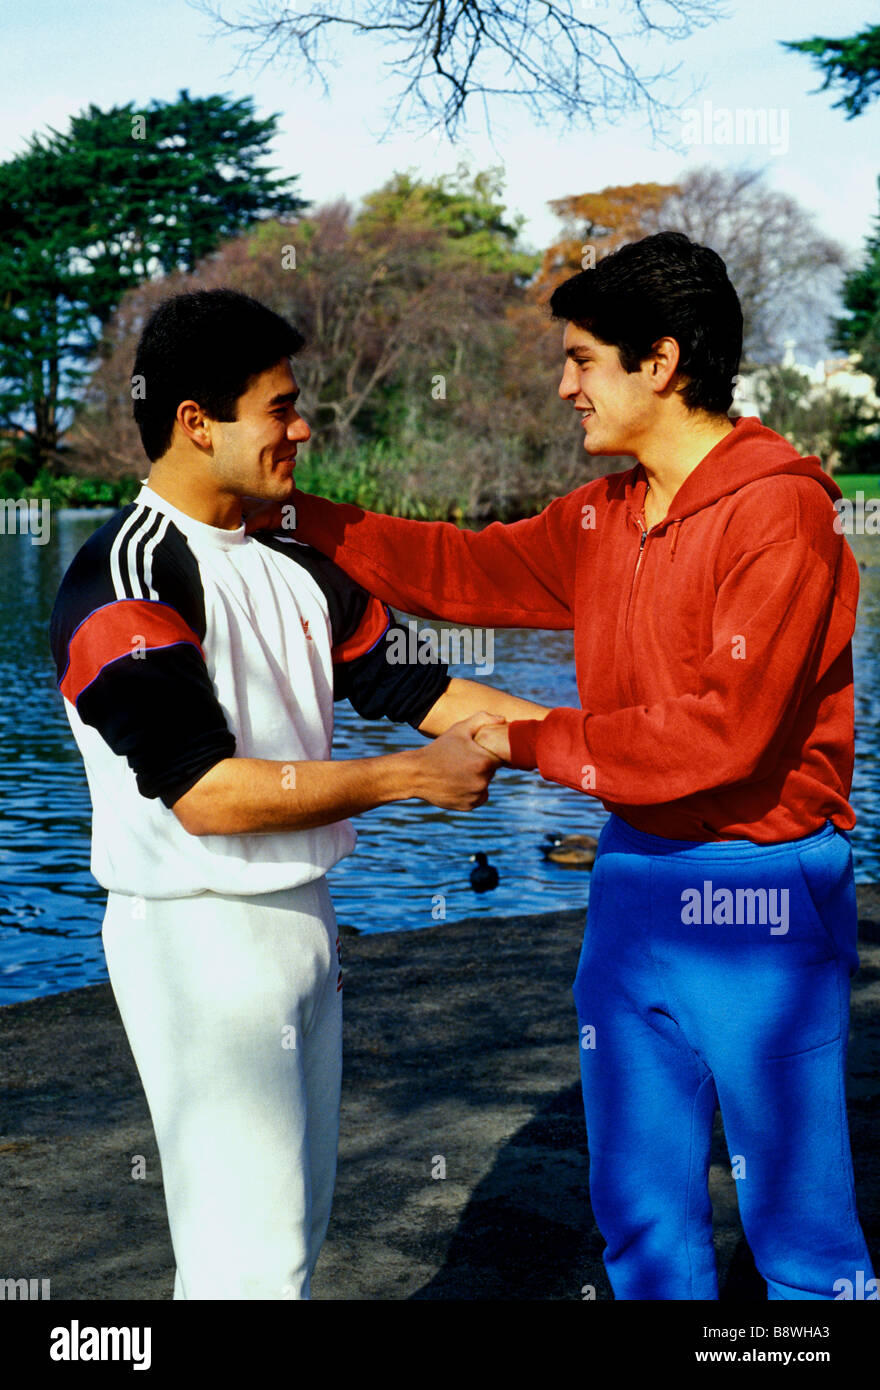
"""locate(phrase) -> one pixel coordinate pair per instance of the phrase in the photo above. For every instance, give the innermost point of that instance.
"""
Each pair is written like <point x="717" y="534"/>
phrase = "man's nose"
<point x="298" y="429"/>
<point x="568" y="385"/>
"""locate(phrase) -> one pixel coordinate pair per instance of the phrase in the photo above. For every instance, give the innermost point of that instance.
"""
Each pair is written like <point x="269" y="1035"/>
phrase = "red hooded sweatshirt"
<point x="713" y="652"/>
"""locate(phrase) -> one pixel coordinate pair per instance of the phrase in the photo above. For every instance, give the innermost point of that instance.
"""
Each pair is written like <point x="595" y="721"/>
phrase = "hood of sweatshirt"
<point x="749" y="452"/>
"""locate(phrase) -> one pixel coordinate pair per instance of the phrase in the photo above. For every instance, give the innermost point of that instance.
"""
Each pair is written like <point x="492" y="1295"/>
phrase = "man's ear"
<point x="663" y="363"/>
<point x="195" y="423"/>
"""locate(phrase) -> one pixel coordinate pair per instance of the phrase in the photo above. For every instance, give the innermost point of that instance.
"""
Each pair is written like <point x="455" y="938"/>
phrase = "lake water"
<point x="409" y="853"/>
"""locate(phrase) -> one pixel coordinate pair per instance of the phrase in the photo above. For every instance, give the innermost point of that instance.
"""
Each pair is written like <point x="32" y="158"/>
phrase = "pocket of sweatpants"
<point x="597" y="877"/>
<point x="597" y="873"/>
<point x="829" y="883"/>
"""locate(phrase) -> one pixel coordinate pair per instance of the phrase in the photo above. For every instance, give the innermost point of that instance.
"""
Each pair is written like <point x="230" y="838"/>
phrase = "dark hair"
<point x="663" y="286"/>
<point x="205" y="346"/>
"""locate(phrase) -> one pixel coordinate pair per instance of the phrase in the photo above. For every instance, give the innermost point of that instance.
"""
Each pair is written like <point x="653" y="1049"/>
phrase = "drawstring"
<point x="675" y="526"/>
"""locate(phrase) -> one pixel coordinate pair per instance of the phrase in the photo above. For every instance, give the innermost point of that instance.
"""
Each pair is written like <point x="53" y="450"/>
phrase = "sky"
<point x="59" y="56"/>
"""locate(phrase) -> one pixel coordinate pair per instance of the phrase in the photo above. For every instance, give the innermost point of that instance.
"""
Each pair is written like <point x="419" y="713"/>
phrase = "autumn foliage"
<point x="430" y="376"/>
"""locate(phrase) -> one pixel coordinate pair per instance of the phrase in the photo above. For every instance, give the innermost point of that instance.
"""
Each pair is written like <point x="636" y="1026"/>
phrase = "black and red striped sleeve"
<point x="126" y="633"/>
<point x="364" y="629"/>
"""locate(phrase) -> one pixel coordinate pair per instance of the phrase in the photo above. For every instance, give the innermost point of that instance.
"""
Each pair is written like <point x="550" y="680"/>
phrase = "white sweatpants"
<point x="233" y="1010"/>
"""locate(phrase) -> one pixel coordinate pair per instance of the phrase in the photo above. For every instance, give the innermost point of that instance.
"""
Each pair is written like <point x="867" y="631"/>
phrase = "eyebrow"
<point x="286" y="398"/>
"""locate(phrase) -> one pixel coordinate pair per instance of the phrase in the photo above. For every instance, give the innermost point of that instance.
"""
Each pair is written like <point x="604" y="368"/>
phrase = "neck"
<point x="672" y="457"/>
<point x="181" y="480"/>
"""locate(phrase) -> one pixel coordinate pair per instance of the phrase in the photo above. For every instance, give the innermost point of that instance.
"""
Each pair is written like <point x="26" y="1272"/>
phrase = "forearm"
<point x="241" y="796"/>
<point x="244" y="796"/>
<point x="463" y="698"/>
<point x="505" y="576"/>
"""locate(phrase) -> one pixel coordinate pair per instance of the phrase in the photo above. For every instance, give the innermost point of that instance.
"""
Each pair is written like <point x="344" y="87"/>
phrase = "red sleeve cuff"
<point x="523" y="735"/>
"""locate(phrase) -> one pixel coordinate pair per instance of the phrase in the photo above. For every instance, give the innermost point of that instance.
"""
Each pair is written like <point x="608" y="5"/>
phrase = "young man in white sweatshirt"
<point x="199" y="666"/>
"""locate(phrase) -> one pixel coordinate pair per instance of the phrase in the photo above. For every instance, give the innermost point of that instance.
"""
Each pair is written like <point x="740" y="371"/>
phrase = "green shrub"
<point x="373" y="476"/>
<point x="860" y="451"/>
<point x="74" y="491"/>
<point x="11" y="483"/>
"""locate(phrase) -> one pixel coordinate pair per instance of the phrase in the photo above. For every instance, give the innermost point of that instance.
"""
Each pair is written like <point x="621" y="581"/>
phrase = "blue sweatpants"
<point x="718" y="974"/>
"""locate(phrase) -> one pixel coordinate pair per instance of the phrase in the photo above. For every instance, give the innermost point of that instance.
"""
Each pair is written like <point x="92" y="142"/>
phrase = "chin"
<point x="608" y="448"/>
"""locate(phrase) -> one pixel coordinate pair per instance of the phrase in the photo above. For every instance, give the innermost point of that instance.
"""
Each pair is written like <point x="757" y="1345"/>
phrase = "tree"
<point x="859" y="332"/>
<point x="411" y="288"/>
<point x="594" y="225"/>
<point x="779" y="262"/>
<point x="161" y="187"/>
<point x="815" y="418"/>
<point x="429" y="375"/>
<point x="465" y="208"/>
<point x="853" y="64"/>
<point x="786" y="272"/>
<point x="45" y="325"/>
<point x="551" y="54"/>
<point x="86" y="214"/>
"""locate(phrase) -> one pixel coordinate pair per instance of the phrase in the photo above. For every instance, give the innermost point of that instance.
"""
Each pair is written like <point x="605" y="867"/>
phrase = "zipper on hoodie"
<point x="639" y="560"/>
<point x="641" y="548"/>
<point x="632" y="588"/>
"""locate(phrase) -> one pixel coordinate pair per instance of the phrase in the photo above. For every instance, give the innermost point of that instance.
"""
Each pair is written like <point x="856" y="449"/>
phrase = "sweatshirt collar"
<point x="216" y="537"/>
<point x="748" y="452"/>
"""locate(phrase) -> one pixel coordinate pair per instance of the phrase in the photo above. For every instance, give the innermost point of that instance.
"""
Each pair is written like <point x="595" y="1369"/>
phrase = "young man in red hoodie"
<point x="713" y="602"/>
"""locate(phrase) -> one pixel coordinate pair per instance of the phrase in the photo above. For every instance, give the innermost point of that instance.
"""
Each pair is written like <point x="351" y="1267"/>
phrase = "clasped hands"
<point x="494" y="736"/>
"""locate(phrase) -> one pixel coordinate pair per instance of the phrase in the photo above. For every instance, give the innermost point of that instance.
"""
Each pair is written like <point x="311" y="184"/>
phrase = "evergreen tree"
<point x="860" y="332"/>
<point x="853" y="64"/>
<point x="86" y="214"/>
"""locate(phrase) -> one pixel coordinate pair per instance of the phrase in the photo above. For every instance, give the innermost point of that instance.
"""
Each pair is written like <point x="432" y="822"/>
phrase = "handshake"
<point x="456" y="768"/>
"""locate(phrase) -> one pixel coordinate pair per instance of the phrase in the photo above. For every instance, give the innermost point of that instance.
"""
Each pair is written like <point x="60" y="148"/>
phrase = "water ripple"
<point x="412" y="863"/>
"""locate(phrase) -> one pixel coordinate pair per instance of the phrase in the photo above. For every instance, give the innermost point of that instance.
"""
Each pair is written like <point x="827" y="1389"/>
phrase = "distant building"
<point x="839" y="374"/>
<point x="812" y="409"/>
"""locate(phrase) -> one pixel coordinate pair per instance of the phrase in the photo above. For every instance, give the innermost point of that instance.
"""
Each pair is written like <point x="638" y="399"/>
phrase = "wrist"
<point x="523" y="736"/>
<point x="402" y="775"/>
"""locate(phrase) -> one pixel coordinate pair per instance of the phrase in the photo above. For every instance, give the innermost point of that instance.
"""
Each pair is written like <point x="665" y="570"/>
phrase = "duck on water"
<point x="571" y="851"/>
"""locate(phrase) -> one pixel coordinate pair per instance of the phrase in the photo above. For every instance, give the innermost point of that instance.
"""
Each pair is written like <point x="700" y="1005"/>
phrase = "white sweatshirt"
<point x="179" y="644"/>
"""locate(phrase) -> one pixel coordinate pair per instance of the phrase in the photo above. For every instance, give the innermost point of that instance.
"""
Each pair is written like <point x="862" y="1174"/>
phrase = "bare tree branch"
<point x="786" y="272"/>
<point x="551" y="55"/>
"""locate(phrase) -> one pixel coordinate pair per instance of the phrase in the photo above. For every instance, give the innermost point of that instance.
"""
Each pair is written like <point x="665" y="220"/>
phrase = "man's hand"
<point x="495" y="738"/>
<point x="454" y="772"/>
